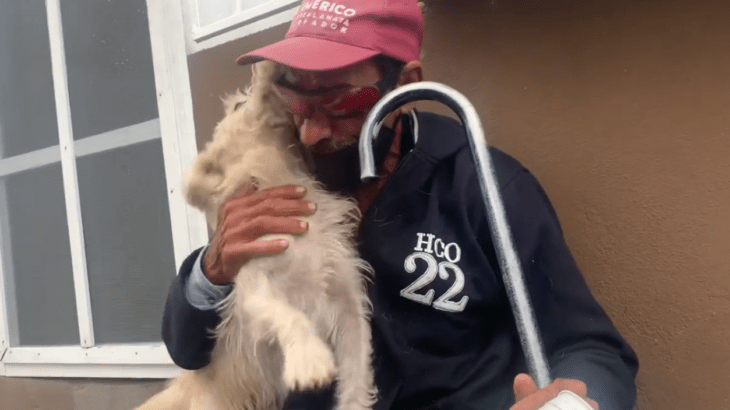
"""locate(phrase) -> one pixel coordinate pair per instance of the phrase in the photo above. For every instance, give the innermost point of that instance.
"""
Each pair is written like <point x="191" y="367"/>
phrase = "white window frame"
<point x="239" y="18"/>
<point x="176" y="128"/>
<point x="244" y="22"/>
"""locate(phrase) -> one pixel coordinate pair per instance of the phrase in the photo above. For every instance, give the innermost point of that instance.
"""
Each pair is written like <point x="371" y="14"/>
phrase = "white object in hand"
<point x="567" y="400"/>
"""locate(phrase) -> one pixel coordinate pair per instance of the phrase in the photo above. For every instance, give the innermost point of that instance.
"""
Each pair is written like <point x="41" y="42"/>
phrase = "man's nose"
<point x="314" y="130"/>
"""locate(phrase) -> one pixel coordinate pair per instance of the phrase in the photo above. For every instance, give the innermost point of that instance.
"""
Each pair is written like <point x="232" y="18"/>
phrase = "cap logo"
<point x="330" y="7"/>
<point x="324" y="14"/>
<point x="332" y="34"/>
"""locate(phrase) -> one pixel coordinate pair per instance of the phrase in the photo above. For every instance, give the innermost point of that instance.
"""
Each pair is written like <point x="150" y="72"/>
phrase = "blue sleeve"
<point x="580" y="339"/>
<point x="186" y="330"/>
<point x="200" y="292"/>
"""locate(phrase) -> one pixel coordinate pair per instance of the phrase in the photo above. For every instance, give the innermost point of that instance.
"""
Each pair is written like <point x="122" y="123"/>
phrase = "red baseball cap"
<point x="327" y="35"/>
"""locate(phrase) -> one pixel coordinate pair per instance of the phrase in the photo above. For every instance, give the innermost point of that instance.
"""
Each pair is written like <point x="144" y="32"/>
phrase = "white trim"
<point x="8" y="307"/>
<point x="30" y="160"/>
<point x="97" y="371"/>
<point x="118" y="138"/>
<point x="4" y="326"/>
<point x="254" y="26"/>
<point x="122" y="137"/>
<point x="147" y="361"/>
<point x="177" y="126"/>
<point x="239" y="19"/>
<point x="2" y="365"/>
<point x="132" y="354"/>
<point x="70" y="180"/>
<point x="7" y="293"/>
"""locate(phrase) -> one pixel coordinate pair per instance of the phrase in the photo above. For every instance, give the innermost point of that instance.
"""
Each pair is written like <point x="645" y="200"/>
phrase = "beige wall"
<point x="622" y="110"/>
<point x="54" y="394"/>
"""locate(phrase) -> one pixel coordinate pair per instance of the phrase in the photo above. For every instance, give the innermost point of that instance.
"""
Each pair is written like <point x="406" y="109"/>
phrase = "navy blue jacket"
<point x="443" y="334"/>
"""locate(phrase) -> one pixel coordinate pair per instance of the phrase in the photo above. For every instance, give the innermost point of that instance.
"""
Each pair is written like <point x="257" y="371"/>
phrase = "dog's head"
<point x="255" y="142"/>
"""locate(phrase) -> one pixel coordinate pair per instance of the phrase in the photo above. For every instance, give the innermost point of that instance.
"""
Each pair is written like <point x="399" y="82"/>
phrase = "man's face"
<point x="319" y="130"/>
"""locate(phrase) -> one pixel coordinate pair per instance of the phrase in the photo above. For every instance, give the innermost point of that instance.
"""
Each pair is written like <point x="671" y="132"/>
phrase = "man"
<point x="443" y="333"/>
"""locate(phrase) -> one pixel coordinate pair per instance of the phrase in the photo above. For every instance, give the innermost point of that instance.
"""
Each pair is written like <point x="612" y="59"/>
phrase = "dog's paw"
<point x="308" y="366"/>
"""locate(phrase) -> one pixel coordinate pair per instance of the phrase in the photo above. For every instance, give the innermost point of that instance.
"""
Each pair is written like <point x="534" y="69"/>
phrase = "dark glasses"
<point x="338" y="102"/>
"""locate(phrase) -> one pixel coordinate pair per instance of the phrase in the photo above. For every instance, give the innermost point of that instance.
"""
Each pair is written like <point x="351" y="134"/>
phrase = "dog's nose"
<point x="314" y="130"/>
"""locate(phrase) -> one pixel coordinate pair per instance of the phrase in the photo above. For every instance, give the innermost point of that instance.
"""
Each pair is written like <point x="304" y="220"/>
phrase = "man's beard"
<point x="332" y="146"/>
<point x="339" y="170"/>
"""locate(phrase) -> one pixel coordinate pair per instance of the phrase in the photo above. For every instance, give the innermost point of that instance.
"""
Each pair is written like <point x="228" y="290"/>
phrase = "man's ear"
<point x="412" y="73"/>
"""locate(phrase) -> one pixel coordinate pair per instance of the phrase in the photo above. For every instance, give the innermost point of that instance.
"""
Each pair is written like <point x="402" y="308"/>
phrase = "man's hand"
<point x="529" y="397"/>
<point x="245" y="217"/>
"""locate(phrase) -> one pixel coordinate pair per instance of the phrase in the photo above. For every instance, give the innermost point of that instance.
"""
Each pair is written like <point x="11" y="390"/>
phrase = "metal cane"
<point x="508" y="260"/>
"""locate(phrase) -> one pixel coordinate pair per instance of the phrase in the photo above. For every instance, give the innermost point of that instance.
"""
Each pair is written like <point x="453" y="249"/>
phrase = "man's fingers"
<point x="262" y="225"/>
<point x="529" y="397"/>
<point x="238" y="253"/>
<point x="524" y="386"/>
<point x="250" y="194"/>
<point x="243" y="217"/>
<point x="251" y="214"/>
<point x="283" y="192"/>
<point x="282" y="207"/>
<point x="593" y="404"/>
<point x="285" y="201"/>
<point x="576" y="386"/>
<point x="534" y="401"/>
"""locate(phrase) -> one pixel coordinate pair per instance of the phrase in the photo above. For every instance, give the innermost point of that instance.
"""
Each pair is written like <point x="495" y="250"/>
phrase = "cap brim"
<point x="309" y="53"/>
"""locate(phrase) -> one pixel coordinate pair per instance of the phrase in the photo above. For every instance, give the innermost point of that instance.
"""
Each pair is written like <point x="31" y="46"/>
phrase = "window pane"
<point x="247" y="4"/>
<point x="128" y="241"/>
<point x="40" y="258"/>
<point x="212" y="11"/>
<point x="27" y="105"/>
<point x="110" y="74"/>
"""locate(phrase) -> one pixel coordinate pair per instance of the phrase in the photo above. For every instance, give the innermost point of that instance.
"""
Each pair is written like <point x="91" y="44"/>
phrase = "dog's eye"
<point x="238" y="105"/>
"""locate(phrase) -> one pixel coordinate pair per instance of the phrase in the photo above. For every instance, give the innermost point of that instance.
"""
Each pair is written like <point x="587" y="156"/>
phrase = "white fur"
<point x="294" y="320"/>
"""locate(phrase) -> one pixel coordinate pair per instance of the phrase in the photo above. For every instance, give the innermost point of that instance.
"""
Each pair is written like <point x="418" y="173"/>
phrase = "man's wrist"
<point x="207" y="265"/>
<point x="211" y="262"/>
<point x="200" y="291"/>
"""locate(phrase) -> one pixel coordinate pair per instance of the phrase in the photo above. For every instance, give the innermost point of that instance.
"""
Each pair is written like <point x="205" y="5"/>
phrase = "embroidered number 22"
<point x="432" y="270"/>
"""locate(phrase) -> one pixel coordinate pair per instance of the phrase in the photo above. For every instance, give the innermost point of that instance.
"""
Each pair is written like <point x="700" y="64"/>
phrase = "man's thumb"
<point x="524" y="386"/>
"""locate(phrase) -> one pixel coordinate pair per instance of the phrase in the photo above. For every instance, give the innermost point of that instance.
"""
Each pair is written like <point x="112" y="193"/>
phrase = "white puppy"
<point x="294" y="320"/>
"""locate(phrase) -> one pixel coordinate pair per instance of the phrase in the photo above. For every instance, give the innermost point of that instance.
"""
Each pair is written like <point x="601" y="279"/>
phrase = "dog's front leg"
<point x="355" y="387"/>
<point x="308" y="361"/>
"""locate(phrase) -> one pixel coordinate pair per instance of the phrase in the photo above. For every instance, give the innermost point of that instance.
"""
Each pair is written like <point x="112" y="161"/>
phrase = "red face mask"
<point x="337" y="102"/>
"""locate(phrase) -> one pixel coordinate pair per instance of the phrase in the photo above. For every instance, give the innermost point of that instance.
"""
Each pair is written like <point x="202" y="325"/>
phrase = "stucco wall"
<point x="54" y="394"/>
<point x="622" y="110"/>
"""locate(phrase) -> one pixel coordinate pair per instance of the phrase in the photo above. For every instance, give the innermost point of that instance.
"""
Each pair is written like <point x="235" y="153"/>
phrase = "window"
<point x="95" y="132"/>
<point x="216" y="22"/>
